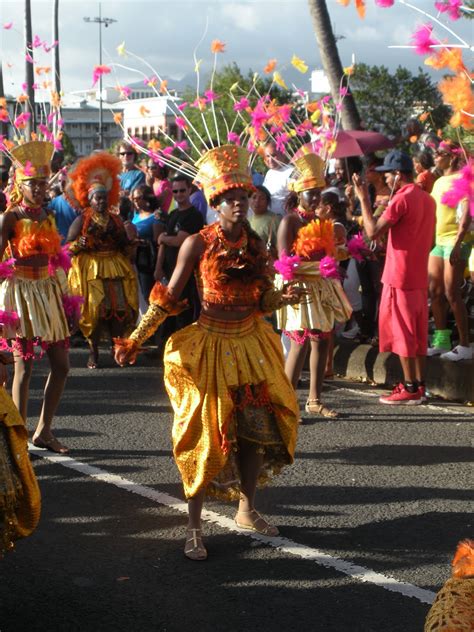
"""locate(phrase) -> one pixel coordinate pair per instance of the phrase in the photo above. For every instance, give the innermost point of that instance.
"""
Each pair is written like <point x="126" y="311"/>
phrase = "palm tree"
<point x="29" y="71"/>
<point x="56" y="69"/>
<point x="331" y="61"/>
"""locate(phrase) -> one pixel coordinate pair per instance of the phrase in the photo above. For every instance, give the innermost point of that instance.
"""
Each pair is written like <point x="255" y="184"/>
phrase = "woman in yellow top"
<point x="235" y="413"/>
<point x="34" y="302"/>
<point x="448" y="259"/>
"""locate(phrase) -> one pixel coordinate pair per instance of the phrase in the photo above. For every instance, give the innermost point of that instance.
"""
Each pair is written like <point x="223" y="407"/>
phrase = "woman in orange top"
<point x="235" y="413"/>
<point x="33" y="295"/>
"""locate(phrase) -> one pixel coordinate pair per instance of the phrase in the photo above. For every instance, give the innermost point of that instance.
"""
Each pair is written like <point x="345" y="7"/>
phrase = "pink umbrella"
<point x="360" y="143"/>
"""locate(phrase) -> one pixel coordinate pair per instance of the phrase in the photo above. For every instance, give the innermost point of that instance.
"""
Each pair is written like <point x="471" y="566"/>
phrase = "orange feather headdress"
<point x="98" y="171"/>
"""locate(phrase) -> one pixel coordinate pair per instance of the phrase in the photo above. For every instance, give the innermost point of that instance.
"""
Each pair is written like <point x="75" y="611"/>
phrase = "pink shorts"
<point x="403" y="321"/>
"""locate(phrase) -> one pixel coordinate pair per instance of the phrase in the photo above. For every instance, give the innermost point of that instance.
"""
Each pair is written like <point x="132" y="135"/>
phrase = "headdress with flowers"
<point x="99" y="171"/>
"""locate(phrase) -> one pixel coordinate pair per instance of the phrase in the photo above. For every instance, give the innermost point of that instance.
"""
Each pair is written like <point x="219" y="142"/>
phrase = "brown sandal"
<point x="259" y="524"/>
<point x="194" y="549"/>
<point x="53" y="445"/>
<point x="315" y="407"/>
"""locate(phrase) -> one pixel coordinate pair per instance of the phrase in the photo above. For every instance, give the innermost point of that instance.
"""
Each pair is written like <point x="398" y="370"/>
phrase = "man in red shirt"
<point x="403" y="314"/>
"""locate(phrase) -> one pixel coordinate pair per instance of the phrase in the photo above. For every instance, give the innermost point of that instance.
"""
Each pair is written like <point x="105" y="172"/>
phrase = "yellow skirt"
<point x="89" y="277"/>
<point x="324" y="304"/>
<point x="215" y="372"/>
<point x="36" y="296"/>
<point x="20" y="499"/>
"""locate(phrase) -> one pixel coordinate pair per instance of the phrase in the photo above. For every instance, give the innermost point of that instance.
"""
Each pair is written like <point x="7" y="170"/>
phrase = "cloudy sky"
<point x="165" y="33"/>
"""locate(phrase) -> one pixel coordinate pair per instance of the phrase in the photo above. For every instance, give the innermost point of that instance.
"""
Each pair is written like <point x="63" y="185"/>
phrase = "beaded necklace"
<point x="238" y="246"/>
<point x="306" y="216"/>
<point x="34" y="211"/>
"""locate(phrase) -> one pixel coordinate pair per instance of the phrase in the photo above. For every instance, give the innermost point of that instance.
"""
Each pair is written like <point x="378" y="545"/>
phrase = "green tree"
<point x="230" y="84"/>
<point x="69" y="149"/>
<point x="387" y="100"/>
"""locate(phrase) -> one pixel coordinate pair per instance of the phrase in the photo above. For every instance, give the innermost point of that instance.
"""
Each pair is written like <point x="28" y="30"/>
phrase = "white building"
<point x="81" y="124"/>
<point x="148" y="118"/>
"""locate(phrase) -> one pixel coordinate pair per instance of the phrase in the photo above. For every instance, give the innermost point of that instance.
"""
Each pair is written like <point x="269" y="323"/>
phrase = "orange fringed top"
<point x="232" y="275"/>
<point x="35" y="238"/>
<point x="315" y="240"/>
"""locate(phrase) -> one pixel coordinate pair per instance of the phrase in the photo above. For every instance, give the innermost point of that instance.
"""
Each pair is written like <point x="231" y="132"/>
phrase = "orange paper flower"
<point x="118" y="117"/>
<point x="270" y="67"/>
<point x="217" y="46"/>
<point x="163" y="86"/>
<point x="447" y="58"/>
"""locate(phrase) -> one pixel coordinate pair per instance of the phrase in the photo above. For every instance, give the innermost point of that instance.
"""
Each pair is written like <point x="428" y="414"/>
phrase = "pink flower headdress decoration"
<point x="61" y="260"/>
<point x="422" y="39"/>
<point x="6" y="269"/>
<point x="451" y="7"/>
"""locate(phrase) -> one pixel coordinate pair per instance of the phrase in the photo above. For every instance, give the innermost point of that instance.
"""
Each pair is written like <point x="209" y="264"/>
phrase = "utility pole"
<point x="29" y="74"/>
<point x="56" y="66"/>
<point x="106" y="21"/>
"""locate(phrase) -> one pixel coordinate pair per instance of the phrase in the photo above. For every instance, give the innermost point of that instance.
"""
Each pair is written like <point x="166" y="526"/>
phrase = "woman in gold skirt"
<point x="235" y="412"/>
<point x="101" y="271"/>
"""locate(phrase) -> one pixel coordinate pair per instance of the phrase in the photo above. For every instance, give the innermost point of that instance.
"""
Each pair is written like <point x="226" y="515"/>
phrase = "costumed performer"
<point x="34" y="300"/>
<point x="306" y="247"/>
<point x="235" y="412"/>
<point x="101" y="270"/>
<point x="20" y="500"/>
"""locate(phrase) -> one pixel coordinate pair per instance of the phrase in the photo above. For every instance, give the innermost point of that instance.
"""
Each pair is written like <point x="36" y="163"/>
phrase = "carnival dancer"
<point x="235" y="413"/>
<point x="33" y="293"/>
<point x="101" y="271"/>
<point x="306" y="247"/>
<point x="20" y="500"/>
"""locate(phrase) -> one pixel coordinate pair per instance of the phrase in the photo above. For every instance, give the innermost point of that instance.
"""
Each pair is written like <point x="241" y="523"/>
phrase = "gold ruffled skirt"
<point x="226" y="382"/>
<point x="324" y="304"/>
<point x="36" y="296"/>
<point x="108" y="284"/>
<point x="20" y="500"/>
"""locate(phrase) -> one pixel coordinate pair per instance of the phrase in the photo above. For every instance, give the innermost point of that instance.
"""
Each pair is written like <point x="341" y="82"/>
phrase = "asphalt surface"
<point x="385" y="488"/>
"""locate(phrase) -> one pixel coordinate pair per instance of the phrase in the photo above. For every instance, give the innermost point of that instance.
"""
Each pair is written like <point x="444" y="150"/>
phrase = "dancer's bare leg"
<point x="21" y="383"/>
<point x="250" y="462"/>
<point x="59" y="362"/>
<point x="317" y="366"/>
<point x="295" y="361"/>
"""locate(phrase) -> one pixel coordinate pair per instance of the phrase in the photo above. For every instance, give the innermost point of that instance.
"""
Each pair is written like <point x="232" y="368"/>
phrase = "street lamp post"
<point x="106" y="21"/>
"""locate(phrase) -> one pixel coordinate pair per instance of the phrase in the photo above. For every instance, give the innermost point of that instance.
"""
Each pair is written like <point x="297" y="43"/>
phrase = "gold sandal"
<point x="315" y="407"/>
<point x="194" y="549"/>
<point x="257" y="519"/>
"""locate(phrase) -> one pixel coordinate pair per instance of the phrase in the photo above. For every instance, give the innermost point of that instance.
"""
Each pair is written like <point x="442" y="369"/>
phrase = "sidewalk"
<point x="449" y="380"/>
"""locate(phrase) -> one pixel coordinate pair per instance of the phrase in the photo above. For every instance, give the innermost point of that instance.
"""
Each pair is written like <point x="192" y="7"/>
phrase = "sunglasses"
<point x="442" y="154"/>
<point x="179" y="190"/>
<point x="126" y="153"/>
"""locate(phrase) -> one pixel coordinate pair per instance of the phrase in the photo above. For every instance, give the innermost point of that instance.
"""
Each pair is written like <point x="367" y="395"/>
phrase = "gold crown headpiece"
<point x="308" y="174"/>
<point x="32" y="160"/>
<point x="223" y="168"/>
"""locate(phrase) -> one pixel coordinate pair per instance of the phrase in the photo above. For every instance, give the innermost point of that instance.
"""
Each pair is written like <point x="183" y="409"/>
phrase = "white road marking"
<point x="282" y="544"/>
<point x="451" y="411"/>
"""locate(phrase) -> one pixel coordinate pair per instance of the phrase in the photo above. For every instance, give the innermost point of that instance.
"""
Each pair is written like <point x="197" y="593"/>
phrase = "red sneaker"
<point x="400" y="396"/>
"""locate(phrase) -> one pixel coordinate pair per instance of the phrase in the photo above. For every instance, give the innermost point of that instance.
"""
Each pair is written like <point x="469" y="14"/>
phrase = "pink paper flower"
<point x="355" y="246"/>
<point x="21" y="120"/>
<point x="384" y="4"/>
<point x="8" y="26"/>
<point x="182" y="106"/>
<point x="280" y="142"/>
<point x="241" y="105"/>
<point x="232" y="137"/>
<point x="329" y="268"/>
<point x="37" y="41"/>
<point x="180" y="122"/>
<point x="29" y="58"/>
<point x="58" y="145"/>
<point x="28" y="169"/>
<point x="462" y="188"/>
<point x="99" y="71"/>
<point x="211" y="95"/>
<point x="183" y="145"/>
<point x="287" y="265"/>
<point x="451" y="7"/>
<point x="422" y="39"/>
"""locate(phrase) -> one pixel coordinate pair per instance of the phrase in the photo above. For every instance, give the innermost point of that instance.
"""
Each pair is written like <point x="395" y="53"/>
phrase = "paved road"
<point x="378" y="496"/>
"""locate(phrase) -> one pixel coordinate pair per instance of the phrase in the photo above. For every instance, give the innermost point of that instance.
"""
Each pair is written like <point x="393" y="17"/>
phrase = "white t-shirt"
<point x="276" y="181"/>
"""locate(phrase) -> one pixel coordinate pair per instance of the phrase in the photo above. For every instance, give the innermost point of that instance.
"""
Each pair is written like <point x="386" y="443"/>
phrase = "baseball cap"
<point x="396" y="160"/>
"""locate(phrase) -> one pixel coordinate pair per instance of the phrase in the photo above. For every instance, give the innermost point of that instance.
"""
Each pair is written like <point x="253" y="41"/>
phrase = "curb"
<point x="450" y="380"/>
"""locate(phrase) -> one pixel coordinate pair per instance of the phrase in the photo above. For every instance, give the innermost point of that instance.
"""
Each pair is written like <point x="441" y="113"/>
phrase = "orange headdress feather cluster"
<point x="98" y="171"/>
